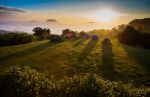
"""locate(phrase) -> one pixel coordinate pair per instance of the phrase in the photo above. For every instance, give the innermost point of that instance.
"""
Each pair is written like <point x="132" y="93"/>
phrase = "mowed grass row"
<point x="78" y="56"/>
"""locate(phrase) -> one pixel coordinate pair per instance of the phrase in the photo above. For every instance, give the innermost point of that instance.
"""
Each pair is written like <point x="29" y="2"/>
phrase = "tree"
<point x="130" y="36"/>
<point x="67" y="33"/>
<point x="82" y="33"/>
<point x="42" y="33"/>
<point x="121" y="27"/>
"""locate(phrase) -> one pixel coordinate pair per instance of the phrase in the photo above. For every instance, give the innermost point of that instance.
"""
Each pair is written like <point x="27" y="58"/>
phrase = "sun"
<point x="106" y="15"/>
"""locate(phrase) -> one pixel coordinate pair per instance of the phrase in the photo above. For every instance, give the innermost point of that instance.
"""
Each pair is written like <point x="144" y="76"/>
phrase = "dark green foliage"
<point x="84" y="35"/>
<point x="121" y="27"/>
<point x="145" y="41"/>
<point x="67" y="33"/>
<point x="130" y="36"/>
<point x="42" y="33"/>
<point x="25" y="82"/>
<point x="16" y="38"/>
<point x="134" y="37"/>
<point x="141" y="24"/>
<point x="55" y="38"/>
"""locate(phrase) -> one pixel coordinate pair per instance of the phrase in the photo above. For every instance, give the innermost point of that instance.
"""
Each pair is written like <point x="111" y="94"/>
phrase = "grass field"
<point x="115" y="62"/>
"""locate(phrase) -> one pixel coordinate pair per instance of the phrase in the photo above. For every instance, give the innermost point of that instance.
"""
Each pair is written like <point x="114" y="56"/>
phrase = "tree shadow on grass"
<point x="108" y="62"/>
<point x="79" y="42"/>
<point x="83" y="61"/>
<point x="29" y="51"/>
<point x="142" y="56"/>
<point x="89" y="47"/>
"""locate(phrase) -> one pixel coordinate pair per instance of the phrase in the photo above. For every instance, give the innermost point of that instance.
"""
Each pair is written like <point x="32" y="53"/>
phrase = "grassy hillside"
<point x="116" y="62"/>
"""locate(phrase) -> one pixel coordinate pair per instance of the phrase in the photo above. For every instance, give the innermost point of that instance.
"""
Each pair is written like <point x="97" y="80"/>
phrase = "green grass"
<point x="116" y="62"/>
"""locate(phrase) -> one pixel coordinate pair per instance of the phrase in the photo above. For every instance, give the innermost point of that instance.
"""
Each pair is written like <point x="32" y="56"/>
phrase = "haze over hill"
<point x="3" y="31"/>
<point x="55" y="28"/>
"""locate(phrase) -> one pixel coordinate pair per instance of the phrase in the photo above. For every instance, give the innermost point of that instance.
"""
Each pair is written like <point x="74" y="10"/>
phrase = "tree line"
<point x="15" y="38"/>
<point x="126" y="34"/>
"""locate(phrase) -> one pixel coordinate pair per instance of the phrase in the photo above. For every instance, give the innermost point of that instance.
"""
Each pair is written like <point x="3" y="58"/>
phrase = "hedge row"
<point x="16" y="38"/>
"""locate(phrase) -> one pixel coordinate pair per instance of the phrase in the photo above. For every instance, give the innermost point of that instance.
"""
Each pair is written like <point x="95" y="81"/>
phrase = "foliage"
<point x="121" y="27"/>
<point x="42" y="33"/>
<point x="84" y="35"/>
<point x="67" y="33"/>
<point x="55" y="38"/>
<point x="132" y="36"/>
<point x="22" y="82"/>
<point x="141" y="24"/>
<point x="25" y="82"/>
<point x="145" y="40"/>
<point x="16" y="38"/>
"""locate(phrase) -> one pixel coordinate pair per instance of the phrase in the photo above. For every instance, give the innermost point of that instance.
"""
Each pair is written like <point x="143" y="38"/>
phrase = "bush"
<point x="16" y="38"/>
<point x="67" y="33"/>
<point x="22" y="82"/>
<point x="130" y="36"/>
<point x="25" y="82"/>
<point x="55" y="38"/>
<point x="145" y="41"/>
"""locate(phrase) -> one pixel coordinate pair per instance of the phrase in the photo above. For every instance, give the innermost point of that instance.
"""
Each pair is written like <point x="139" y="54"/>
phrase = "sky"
<point x="24" y="15"/>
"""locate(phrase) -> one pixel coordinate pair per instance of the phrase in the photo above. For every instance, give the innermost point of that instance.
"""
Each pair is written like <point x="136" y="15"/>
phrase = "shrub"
<point x="67" y="33"/>
<point x="25" y="82"/>
<point x="55" y="38"/>
<point x="130" y="36"/>
<point x="22" y="82"/>
<point x="145" y="41"/>
<point x="16" y="38"/>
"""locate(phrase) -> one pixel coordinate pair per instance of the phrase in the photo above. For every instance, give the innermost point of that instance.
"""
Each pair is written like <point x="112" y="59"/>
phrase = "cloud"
<point x="33" y="21"/>
<point x="51" y="20"/>
<point x="9" y="9"/>
<point x="9" y="12"/>
<point x="91" y="22"/>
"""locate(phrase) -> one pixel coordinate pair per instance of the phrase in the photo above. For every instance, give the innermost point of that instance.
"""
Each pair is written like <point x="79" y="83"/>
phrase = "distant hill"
<point x="4" y="32"/>
<point x="141" y="24"/>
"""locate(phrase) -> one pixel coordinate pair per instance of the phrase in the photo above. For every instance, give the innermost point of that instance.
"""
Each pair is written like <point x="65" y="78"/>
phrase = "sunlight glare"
<point x="106" y="15"/>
